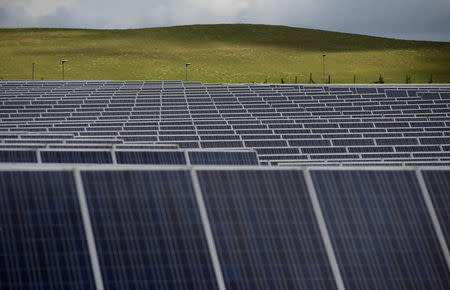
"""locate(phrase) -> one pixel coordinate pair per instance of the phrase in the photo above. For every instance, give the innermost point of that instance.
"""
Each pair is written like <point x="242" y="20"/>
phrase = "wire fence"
<point x="304" y="78"/>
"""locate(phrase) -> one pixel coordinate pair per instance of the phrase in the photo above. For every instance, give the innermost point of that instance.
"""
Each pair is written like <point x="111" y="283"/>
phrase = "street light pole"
<point x="323" y="57"/>
<point x="62" y="62"/>
<point x="187" y="64"/>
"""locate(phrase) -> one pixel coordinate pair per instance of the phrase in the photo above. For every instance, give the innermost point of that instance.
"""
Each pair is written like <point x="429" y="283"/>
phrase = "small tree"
<point x="282" y="81"/>
<point x="408" y="79"/>
<point x="431" y="79"/>
<point x="265" y="81"/>
<point x="354" y="78"/>
<point x="329" y="79"/>
<point x="296" y="80"/>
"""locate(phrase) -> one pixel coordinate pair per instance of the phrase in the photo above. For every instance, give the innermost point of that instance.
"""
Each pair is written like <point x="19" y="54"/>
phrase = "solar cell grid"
<point x="76" y="157"/>
<point x="380" y="230"/>
<point x="148" y="230"/>
<point x="42" y="240"/>
<point x="222" y="158"/>
<point x="150" y="157"/>
<point x="282" y="247"/>
<point x="437" y="183"/>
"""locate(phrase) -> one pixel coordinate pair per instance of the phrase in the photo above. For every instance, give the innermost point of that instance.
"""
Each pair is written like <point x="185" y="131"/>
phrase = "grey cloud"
<point x="410" y="19"/>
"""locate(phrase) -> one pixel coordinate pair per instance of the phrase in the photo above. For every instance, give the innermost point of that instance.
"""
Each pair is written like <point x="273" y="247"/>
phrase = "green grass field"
<point x="218" y="53"/>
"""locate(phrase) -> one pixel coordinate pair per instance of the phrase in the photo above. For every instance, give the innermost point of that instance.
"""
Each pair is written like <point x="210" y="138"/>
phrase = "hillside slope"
<point x="218" y="53"/>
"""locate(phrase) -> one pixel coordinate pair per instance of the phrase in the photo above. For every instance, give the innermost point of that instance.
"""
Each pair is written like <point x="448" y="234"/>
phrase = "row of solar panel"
<point x="342" y="129"/>
<point x="154" y="100"/>
<point x="274" y="113"/>
<point x="309" y="144"/>
<point x="270" y="156"/>
<point x="295" y="125"/>
<point x="166" y="157"/>
<point x="242" y="113"/>
<point x="269" y="123"/>
<point x="297" y="145"/>
<point x="270" y="229"/>
<point x="371" y="123"/>
<point x="171" y="103"/>
<point x="219" y="96"/>
<point x="214" y="118"/>
<point x="44" y="102"/>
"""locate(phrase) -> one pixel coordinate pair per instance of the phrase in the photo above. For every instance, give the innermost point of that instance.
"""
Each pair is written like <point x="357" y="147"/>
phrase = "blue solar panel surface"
<point x="76" y="157"/>
<point x="265" y="230"/>
<point x="42" y="241"/>
<point x="223" y="158"/>
<point x="263" y="224"/>
<point x="337" y="117"/>
<point x="148" y="230"/>
<point x="17" y="156"/>
<point x="438" y="186"/>
<point x="380" y="229"/>
<point x="149" y="157"/>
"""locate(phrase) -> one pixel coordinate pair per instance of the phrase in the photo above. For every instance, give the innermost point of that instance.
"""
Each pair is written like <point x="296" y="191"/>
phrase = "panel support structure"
<point x="208" y="231"/>
<point x="323" y="230"/>
<point x="88" y="230"/>
<point x="433" y="215"/>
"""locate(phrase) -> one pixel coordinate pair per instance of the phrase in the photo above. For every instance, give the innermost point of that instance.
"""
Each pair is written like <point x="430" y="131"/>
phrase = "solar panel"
<point x="17" y="156"/>
<point x="256" y="116"/>
<point x="438" y="186"/>
<point x="42" y="240"/>
<point x="380" y="229"/>
<point x="150" y="157"/>
<point x="265" y="230"/>
<point x="76" y="156"/>
<point x="148" y="230"/>
<point x="222" y="158"/>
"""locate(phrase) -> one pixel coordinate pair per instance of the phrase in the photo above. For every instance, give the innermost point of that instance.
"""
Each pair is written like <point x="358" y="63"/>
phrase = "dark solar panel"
<point x="224" y="116"/>
<point x="76" y="156"/>
<point x="42" y="240"/>
<point x="380" y="229"/>
<point x="438" y="186"/>
<point x="150" y="157"/>
<point x="265" y="230"/>
<point x="148" y="230"/>
<point x="223" y="158"/>
<point x="17" y="156"/>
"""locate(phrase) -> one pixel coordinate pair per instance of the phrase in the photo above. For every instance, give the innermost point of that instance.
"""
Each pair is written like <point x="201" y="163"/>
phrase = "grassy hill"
<point x="219" y="53"/>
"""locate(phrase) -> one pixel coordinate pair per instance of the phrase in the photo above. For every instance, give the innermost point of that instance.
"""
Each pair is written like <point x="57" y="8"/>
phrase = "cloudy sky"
<point x="407" y="19"/>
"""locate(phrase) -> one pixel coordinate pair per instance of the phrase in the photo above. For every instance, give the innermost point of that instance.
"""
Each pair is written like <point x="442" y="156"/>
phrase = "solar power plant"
<point x="185" y="185"/>
<point x="283" y="124"/>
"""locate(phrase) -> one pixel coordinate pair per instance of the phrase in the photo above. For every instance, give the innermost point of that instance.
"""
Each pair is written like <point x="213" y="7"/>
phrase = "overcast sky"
<point x="407" y="19"/>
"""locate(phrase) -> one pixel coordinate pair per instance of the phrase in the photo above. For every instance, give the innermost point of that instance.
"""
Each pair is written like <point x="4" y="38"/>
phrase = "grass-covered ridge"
<point x="219" y="53"/>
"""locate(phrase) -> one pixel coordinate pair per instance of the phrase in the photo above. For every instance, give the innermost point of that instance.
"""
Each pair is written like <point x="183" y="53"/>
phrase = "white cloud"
<point x="36" y="8"/>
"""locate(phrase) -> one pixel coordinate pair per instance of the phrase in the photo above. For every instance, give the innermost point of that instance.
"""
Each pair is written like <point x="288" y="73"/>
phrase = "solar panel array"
<point x="235" y="227"/>
<point x="283" y="124"/>
<point x="171" y="185"/>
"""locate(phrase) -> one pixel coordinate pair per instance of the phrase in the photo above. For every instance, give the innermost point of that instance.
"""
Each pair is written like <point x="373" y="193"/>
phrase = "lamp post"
<point x="323" y="58"/>
<point x="187" y="64"/>
<point x="62" y="62"/>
